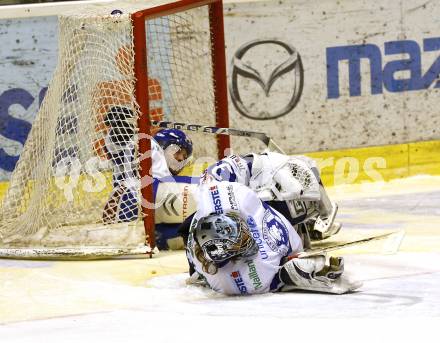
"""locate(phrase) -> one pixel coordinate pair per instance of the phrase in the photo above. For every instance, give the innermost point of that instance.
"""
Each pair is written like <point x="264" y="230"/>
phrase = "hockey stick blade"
<point x="392" y="244"/>
<point x="269" y="142"/>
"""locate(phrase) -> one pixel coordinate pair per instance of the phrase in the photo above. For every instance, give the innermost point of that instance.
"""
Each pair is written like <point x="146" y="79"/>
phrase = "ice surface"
<point x="122" y="300"/>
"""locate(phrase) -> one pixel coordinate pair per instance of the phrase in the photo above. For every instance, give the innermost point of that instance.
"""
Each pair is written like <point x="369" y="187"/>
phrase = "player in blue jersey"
<point x="171" y="150"/>
<point x="177" y="148"/>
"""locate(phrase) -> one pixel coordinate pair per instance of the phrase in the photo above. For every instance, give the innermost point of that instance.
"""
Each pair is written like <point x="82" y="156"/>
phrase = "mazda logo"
<point x="240" y="68"/>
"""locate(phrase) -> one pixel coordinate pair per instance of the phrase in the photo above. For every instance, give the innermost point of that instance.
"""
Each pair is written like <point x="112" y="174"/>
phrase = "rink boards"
<point x="370" y="78"/>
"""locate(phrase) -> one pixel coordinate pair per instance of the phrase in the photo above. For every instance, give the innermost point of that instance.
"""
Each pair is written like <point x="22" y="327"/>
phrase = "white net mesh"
<point x="76" y="183"/>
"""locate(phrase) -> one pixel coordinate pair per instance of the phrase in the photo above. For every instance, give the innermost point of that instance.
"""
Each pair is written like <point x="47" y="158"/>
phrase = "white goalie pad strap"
<point x="175" y="202"/>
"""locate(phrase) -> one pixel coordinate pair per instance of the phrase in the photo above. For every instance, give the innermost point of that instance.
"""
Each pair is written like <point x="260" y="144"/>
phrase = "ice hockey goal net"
<point x="117" y="69"/>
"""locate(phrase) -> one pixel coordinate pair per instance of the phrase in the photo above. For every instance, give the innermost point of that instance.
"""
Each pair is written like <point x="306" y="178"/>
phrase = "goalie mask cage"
<point x="82" y="187"/>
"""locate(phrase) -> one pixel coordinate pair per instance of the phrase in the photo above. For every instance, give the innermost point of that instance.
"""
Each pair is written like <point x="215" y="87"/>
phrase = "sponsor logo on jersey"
<point x="215" y="195"/>
<point x="257" y="237"/>
<point x="231" y="198"/>
<point x="236" y="276"/>
<point x="275" y="232"/>
<point x="253" y="275"/>
<point x="251" y="222"/>
<point x="185" y="200"/>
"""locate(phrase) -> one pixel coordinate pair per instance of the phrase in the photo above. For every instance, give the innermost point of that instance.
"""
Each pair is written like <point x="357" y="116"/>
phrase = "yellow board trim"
<point x="381" y="163"/>
<point x="348" y="166"/>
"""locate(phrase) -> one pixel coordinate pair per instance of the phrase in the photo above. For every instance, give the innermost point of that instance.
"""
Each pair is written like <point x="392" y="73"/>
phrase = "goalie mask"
<point x="224" y="236"/>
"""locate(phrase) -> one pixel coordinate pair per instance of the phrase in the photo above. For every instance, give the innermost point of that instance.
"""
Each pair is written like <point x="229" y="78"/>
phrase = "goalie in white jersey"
<point x="290" y="184"/>
<point x="237" y="244"/>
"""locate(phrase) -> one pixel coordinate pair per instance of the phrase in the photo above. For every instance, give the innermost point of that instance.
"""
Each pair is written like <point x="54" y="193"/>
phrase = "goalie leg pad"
<point x="316" y="273"/>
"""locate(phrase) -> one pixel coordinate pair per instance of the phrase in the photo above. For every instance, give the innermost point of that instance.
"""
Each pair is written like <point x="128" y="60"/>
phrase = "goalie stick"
<point x="269" y="142"/>
<point x="392" y="245"/>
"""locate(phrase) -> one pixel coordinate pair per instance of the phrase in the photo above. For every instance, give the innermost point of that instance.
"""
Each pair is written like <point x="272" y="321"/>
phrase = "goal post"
<point x="83" y="186"/>
<point x="217" y="41"/>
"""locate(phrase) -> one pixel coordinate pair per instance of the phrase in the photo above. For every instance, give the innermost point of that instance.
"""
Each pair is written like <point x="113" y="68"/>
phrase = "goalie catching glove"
<point x="316" y="273"/>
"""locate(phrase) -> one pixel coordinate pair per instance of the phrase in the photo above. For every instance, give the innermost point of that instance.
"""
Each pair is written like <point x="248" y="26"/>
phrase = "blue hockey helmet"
<point x="224" y="236"/>
<point x="167" y="137"/>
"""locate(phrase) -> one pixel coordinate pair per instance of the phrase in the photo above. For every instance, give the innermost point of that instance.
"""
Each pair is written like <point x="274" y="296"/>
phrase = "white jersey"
<point x="258" y="171"/>
<point x="160" y="166"/>
<point x="124" y="162"/>
<point x="274" y="235"/>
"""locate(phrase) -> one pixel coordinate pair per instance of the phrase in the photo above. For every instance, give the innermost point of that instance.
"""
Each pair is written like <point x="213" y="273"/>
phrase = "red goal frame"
<point x="142" y="95"/>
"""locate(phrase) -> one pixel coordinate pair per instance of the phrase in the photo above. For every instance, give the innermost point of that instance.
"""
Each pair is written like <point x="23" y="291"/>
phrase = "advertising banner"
<point x="325" y="75"/>
<point x="315" y="75"/>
